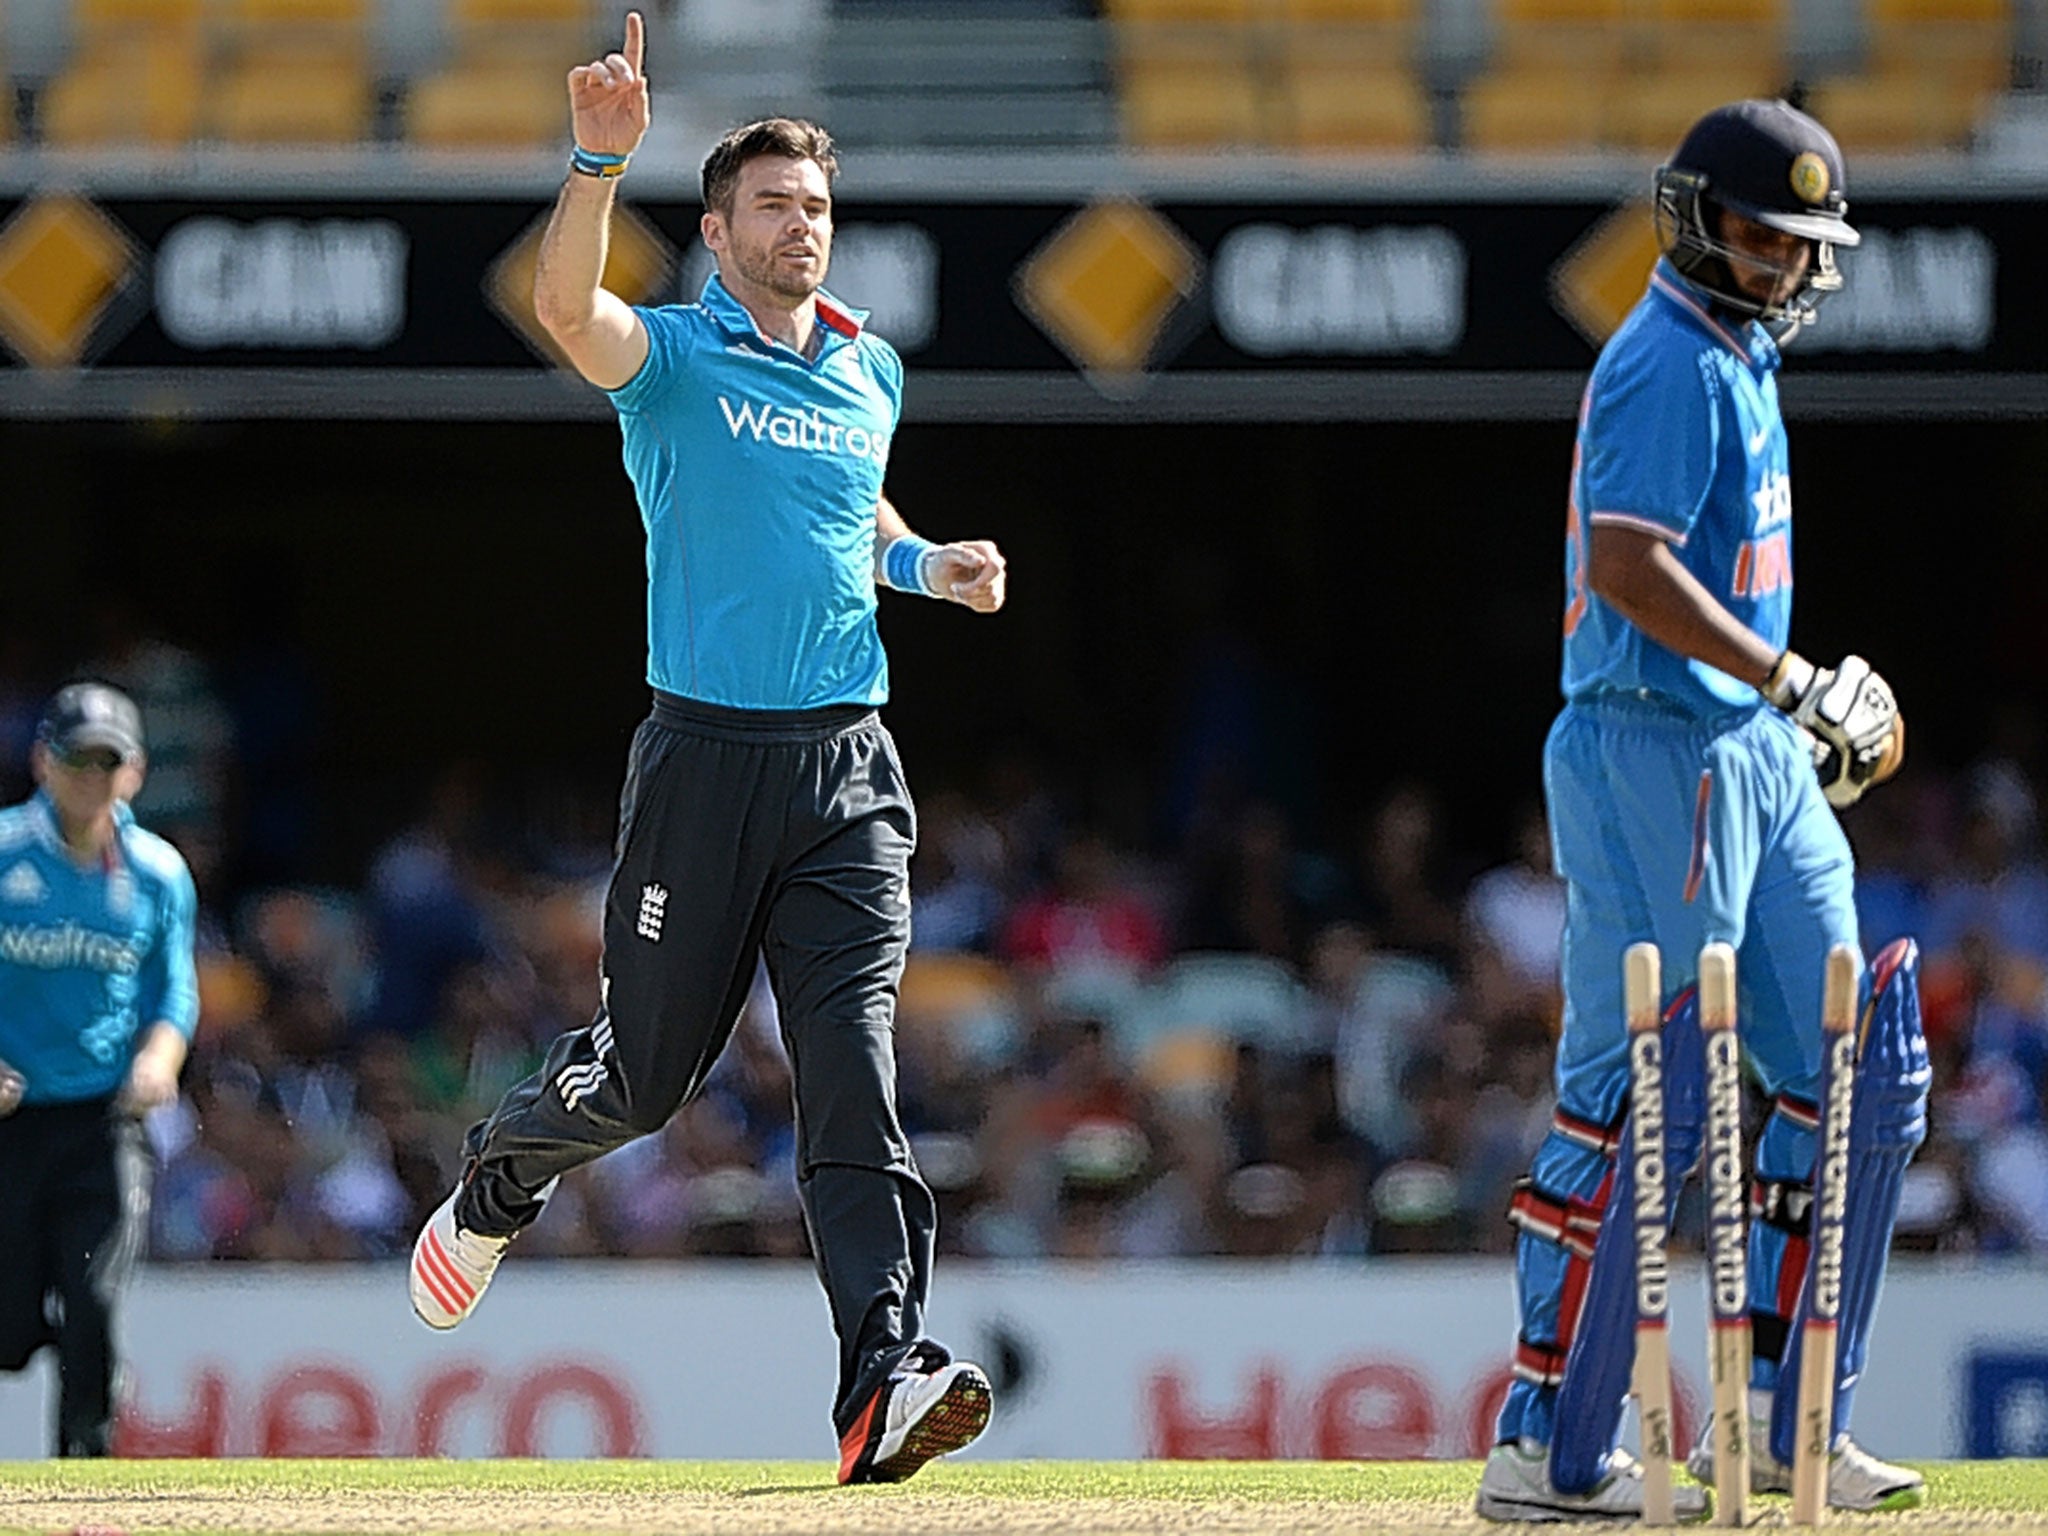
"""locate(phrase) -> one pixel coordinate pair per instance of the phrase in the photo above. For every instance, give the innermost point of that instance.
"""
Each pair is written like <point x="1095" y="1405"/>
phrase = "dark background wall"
<point x="1330" y="607"/>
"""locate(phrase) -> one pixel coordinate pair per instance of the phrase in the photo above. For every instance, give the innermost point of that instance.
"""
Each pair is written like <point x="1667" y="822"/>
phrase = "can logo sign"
<point x="282" y="283"/>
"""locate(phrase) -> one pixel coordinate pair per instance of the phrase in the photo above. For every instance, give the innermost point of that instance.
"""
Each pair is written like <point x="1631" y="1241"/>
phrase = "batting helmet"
<point x="1770" y="162"/>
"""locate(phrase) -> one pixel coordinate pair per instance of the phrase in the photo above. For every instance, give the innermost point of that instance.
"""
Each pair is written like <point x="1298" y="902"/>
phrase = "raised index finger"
<point x="636" y="40"/>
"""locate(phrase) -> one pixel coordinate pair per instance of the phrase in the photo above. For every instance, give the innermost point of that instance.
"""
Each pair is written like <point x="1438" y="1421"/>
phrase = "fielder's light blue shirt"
<point x="758" y="471"/>
<point x="91" y="957"/>
<point x="1680" y="437"/>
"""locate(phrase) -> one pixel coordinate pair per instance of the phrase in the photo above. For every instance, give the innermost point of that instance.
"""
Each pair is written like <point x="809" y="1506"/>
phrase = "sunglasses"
<point x="91" y="760"/>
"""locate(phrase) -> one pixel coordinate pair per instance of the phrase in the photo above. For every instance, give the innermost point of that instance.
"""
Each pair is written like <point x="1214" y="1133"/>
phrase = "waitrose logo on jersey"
<point x="67" y="946"/>
<point x="809" y="431"/>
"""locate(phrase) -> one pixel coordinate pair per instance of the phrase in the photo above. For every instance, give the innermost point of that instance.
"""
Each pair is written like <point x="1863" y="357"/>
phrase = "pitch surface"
<point x="445" y="1498"/>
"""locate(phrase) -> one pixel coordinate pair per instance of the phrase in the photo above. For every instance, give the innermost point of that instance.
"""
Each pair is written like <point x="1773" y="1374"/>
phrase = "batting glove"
<point x="1848" y="711"/>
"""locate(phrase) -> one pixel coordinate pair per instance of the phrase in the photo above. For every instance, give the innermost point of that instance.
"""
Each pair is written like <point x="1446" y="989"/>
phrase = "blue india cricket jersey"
<point x="758" y="471"/>
<point x="1680" y="436"/>
<point x="90" y="957"/>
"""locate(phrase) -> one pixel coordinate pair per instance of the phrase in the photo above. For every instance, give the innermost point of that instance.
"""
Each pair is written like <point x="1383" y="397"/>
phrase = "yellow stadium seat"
<point x="1571" y="39"/>
<point x="1191" y="10"/>
<point x="1733" y="35"/>
<point x="1337" y="34"/>
<point x="1655" y="108"/>
<point x="1173" y="105"/>
<point x="1939" y="12"/>
<point x="294" y="33"/>
<point x="1718" y="13"/>
<point x="1899" y="111"/>
<point x="296" y="13"/>
<point x="560" y="33"/>
<point x="1535" y="110"/>
<point x="1968" y="42"/>
<point x="489" y="105"/>
<point x="1607" y="15"/>
<point x="517" y="12"/>
<point x="291" y="72"/>
<point x="147" y="89"/>
<point x="1975" y="36"/>
<point x="95" y="17"/>
<point x="1350" y="12"/>
<point x="281" y="99"/>
<point x="1554" y="67"/>
<point x="1356" y="109"/>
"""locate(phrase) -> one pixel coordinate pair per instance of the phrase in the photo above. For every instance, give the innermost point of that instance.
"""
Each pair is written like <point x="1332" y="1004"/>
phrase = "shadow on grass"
<point x="755" y="1493"/>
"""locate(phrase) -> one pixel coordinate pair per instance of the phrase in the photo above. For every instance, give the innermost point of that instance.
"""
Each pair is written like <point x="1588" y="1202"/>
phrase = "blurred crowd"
<point x="1247" y="1036"/>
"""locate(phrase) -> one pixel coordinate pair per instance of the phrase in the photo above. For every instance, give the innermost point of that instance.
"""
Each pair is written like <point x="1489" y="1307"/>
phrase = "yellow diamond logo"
<point x="1599" y="280"/>
<point x="1107" y="282"/>
<point x="62" y="263"/>
<point x="637" y="267"/>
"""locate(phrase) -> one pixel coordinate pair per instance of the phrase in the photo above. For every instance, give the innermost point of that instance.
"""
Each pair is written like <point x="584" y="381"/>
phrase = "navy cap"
<point x="92" y="715"/>
<point x="1770" y="162"/>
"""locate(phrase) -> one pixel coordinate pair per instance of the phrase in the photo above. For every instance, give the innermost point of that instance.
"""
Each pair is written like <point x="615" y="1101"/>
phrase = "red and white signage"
<point x="1385" y="1359"/>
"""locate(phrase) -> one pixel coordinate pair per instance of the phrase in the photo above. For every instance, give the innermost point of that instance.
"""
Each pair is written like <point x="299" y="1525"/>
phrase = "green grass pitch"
<point x="568" y="1498"/>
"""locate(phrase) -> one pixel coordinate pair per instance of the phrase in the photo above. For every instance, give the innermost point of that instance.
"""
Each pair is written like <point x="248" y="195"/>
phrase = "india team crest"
<point x="1810" y="177"/>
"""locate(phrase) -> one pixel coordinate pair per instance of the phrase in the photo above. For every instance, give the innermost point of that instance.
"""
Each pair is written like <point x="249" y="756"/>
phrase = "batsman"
<point x="1693" y="779"/>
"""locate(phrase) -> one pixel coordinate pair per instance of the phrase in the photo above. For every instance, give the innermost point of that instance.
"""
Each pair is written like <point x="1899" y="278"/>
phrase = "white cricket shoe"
<point x="1515" y="1485"/>
<point x="914" y="1416"/>
<point x="451" y="1267"/>
<point x="1856" y="1479"/>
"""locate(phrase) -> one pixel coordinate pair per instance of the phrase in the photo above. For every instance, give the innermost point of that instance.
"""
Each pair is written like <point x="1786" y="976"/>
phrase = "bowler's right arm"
<point x="597" y="329"/>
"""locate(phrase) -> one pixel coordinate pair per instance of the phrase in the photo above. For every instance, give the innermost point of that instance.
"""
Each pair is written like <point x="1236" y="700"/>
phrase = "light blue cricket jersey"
<point x="758" y="472"/>
<point x="1680" y="436"/>
<point x="90" y="958"/>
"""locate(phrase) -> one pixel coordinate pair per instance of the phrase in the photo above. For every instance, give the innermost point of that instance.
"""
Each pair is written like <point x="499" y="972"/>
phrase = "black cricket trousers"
<point x="783" y="834"/>
<point x="74" y="1212"/>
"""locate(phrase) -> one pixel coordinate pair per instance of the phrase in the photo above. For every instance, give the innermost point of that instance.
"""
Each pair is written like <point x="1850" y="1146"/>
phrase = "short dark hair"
<point x="790" y="138"/>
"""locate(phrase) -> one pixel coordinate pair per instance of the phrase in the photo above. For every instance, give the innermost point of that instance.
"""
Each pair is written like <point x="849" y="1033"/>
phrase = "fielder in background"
<point x="1692" y="779"/>
<point x="765" y="812"/>
<point x="98" y="1001"/>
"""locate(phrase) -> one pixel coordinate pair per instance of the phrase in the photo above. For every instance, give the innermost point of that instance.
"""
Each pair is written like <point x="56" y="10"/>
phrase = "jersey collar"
<point x="1745" y="338"/>
<point x="842" y="322"/>
<point x="42" y="816"/>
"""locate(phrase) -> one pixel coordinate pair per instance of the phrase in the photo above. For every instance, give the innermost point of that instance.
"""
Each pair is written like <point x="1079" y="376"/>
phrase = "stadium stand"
<point x="1554" y="70"/>
<point x="1931" y="70"/>
<point x="1515" y="78"/>
<point x="292" y="71"/>
<point x="1348" y="76"/>
<point x="503" y="85"/>
<point x="136" y="75"/>
<point x="1690" y="56"/>
<point x="899" y="75"/>
<point x="1187" y="87"/>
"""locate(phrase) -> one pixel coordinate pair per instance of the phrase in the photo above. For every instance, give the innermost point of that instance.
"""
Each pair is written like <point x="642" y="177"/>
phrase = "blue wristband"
<point x="589" y="162"/>
<point x="903" y="564"/>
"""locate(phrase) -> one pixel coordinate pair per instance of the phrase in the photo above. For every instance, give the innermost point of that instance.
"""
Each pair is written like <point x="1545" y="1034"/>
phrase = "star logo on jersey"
<point x="22" y="885"/>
